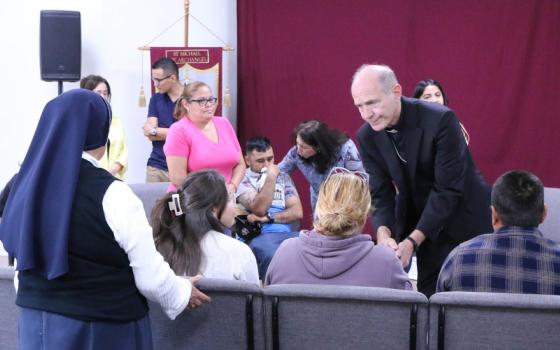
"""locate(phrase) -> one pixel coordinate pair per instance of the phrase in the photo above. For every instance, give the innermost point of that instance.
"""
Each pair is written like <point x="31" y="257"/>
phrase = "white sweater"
<point x="227" y="258"/>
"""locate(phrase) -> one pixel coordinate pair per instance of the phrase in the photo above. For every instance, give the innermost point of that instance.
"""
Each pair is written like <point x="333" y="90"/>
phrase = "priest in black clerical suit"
<point x="427" y="194"/>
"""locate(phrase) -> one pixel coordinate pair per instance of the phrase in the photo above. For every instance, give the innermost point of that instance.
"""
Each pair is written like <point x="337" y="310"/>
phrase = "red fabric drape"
<point x="499" y="62"/>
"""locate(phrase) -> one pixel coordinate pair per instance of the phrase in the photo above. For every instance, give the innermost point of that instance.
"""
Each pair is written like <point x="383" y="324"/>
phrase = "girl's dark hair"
<point x="178" y="238"/>
<point x="421" y="86"/>
<point x="325" y="141"/>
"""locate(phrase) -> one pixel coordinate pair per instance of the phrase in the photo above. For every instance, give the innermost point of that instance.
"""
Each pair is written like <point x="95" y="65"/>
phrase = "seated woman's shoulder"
<point x="384" y="252"/>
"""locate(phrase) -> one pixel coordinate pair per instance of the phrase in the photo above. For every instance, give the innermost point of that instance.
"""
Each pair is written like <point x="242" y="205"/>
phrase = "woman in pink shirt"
<point x="199" y="140"/>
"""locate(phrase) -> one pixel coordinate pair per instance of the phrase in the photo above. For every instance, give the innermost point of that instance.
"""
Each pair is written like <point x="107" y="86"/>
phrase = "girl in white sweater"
<point x="189" y="230"/>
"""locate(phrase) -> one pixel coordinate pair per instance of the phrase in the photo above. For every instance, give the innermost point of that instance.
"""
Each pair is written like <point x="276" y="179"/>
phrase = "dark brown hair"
<point x="91" y="81"/>
<point x="178" y="238"/>
<point x="326" y="142"/>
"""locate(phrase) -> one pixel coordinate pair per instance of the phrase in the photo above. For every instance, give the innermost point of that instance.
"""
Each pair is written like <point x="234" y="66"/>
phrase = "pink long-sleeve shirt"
<point x="184" y="139"/>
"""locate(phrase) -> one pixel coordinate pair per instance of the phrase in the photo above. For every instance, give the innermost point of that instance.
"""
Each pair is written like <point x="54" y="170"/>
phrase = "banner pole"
<point x="187" y="4"/>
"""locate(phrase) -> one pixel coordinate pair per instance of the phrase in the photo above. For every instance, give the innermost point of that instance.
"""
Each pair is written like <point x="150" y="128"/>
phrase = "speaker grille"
<point x="60" y="45"/>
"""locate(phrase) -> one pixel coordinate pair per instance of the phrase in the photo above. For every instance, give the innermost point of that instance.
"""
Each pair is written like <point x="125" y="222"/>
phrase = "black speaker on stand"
<point x="61" y="46"/>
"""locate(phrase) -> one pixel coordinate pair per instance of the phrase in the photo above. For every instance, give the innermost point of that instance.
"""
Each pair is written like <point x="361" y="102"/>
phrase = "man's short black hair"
<point x="258" y="143"/>
<point x="167" y="65"/>
<point x="518" y="198"/>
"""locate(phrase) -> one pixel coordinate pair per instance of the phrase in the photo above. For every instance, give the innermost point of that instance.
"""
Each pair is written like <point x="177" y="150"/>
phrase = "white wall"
<point x="112" y="31"/>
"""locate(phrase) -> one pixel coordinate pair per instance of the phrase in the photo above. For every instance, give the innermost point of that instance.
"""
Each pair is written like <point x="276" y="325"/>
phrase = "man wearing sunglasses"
<point x="165" y="75"/>
<point x="427" y="193"/>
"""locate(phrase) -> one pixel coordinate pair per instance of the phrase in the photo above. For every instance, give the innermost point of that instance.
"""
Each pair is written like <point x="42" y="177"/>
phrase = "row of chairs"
<point x="245" y="316"/>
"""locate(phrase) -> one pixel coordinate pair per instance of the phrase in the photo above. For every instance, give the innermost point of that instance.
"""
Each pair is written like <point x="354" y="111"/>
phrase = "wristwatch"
<point x="270" y="218"/>
<point x="414" y="243"/>
<point x="153" y="132"/>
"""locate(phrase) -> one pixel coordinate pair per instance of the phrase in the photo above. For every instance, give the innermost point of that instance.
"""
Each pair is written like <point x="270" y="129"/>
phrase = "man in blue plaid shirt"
<point x="516" y="258"/>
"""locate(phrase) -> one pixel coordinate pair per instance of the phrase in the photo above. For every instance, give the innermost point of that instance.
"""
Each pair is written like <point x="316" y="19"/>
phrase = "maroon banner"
<point x="195" y="64"/>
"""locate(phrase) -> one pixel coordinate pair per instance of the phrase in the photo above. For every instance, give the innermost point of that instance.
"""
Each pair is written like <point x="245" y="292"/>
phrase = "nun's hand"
<point x="197" y="297"/>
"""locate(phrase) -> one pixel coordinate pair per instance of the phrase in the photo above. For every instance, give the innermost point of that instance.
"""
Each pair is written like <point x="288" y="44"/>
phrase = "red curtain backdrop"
<point x="499" y="62"/>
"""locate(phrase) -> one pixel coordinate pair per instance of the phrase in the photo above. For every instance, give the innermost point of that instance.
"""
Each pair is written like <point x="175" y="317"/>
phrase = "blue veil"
<point x="36" y="220"/>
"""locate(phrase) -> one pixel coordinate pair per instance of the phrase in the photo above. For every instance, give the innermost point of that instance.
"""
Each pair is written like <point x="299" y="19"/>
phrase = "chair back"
<point x="8" y="310"/>
<point x="344" y="317"/>
<point x="149" y="193"/>
<point x="470" y="320"/>
<point x="233" y="320"/>
<point x="550" y="227"/>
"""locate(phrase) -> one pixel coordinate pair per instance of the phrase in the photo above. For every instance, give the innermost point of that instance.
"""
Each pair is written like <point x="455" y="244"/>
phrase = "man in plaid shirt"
<point x="516" y="258"/>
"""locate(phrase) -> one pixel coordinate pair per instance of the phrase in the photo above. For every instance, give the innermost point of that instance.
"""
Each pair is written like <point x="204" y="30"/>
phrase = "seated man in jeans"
<point x="269" y="197"/>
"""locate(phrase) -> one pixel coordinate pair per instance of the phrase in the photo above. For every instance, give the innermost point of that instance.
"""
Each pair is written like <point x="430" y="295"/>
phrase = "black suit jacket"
<point x="439" y="190"/>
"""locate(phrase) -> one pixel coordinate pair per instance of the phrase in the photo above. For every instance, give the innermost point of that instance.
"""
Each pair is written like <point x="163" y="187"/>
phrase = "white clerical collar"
<point x="90" y="159"/>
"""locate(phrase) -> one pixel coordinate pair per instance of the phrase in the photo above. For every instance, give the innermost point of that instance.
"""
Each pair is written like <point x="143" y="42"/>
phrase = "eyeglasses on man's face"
<point x="203" y="102"/>
<point x="340" y="170"/>
<point x="159" y="80"/>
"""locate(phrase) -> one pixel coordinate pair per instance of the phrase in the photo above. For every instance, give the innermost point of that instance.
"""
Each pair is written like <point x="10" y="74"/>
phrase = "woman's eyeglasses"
<point x="340" y="170"/>
<point x="203" y="102"/>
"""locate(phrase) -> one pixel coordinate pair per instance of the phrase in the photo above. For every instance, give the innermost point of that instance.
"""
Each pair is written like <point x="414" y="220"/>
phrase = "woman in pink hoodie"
<point x="335" y="251"/>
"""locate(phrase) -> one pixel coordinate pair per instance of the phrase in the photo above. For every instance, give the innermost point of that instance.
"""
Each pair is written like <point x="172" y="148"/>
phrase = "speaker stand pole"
<point x="60" y="87"/>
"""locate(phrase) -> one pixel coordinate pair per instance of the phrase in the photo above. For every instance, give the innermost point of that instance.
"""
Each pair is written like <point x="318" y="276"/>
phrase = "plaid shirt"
<point x="511" y="260"/>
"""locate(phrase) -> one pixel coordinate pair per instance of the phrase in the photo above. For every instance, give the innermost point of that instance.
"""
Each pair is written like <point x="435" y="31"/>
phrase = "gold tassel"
<point x="227" y="98"/>
<point x="142" y="98"/>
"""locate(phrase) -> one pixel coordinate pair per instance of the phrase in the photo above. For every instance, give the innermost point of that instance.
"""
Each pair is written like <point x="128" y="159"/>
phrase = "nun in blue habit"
<point x="84" y="250"/>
